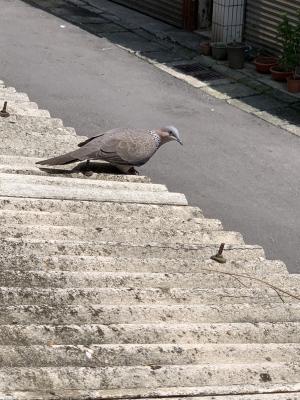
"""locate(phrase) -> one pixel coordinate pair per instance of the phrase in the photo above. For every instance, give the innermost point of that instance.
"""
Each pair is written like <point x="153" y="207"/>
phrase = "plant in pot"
<point x="289" y="36"/>
<point x="293" y="82"/>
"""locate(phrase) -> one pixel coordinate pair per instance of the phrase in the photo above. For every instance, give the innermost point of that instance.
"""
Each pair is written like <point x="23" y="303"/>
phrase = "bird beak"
<point x="179" y="141"/>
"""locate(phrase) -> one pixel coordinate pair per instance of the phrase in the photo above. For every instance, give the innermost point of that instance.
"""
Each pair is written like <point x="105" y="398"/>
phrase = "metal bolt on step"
<point x="218" y="257"/>
<point x="4" y="113"/>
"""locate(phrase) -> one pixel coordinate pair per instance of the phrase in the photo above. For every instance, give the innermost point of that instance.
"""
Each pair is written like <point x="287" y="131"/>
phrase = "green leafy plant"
<point x="289" y="36"/>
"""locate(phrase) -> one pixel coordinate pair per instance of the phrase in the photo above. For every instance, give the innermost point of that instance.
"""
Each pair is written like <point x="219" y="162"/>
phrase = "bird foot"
<point x="86" y="169"/>
<point x="133" y="171"/>
<point x="88" y="173"/>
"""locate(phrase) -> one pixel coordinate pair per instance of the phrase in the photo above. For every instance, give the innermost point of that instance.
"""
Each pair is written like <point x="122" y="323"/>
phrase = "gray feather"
<point x="118" y="146"/>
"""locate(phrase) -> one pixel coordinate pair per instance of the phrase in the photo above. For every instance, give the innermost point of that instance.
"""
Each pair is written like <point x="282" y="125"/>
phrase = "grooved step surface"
<point x="26" y="166"/>
<point x="128" y="295"/>
<point x="57" y="355"/>
<point x="57" y="330"/>
<point x="122" y="234"/>
<point x="266" y="392"/>
<point x="103" y="264"/>
<point x="25" y="108"/>
<point x="126" y="249"/>
<point x="54" y="188"/>
<point x="81" y="279"/>
<point x="96" y="218"/>
<point x="157" y="314"/>
<point x="87" y="184"/>
<point x="108" y="289"/>
<point x="101" y="209"/>
<point x="37" y="145"/>
<point x="147" y="377"/>
<point x="14" y="130"/>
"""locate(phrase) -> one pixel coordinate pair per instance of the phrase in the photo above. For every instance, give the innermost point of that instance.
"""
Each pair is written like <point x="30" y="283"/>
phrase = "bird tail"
<point x="67" y="158"/>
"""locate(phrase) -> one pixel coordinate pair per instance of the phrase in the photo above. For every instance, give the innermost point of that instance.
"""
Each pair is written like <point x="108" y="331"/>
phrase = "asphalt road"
<point x="234" y="166"/>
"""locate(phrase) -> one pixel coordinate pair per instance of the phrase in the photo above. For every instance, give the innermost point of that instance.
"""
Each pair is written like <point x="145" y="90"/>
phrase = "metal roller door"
<point x="262" y="18"/>
<point x="181" y="13"/>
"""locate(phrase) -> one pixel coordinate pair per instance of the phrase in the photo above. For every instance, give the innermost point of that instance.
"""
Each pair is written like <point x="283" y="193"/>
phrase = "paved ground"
<point x="235" y="166"/>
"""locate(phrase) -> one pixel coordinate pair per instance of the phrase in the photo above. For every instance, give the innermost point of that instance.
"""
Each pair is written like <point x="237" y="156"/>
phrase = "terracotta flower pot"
<point x="279" y="75"/>
<point x="205" y="48"/>
<point x="263" y="64"/>
<point x="293" y="84"/>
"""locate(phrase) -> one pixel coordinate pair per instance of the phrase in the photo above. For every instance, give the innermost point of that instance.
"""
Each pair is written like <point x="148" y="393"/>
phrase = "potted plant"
<point x="264" y="63"/>
<point x="293" y="82"/>
<point x="219" y="50"/>
<point x="289" y="36"/>
<point x="236" y="55"/>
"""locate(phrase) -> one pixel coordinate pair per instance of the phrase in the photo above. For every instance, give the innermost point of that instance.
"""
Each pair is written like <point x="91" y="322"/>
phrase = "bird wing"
<point x="131" y="147"/>
<point x="123" y="147"/>
<point x="112" y="131"/>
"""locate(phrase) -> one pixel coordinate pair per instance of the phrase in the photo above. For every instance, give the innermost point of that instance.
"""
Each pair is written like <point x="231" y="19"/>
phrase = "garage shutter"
<point x="262" y="18"/>
<point x="181" y="13"/>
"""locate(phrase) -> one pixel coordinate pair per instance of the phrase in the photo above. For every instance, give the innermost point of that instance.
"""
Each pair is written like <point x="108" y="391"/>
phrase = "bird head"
<point x="169" y="133"/>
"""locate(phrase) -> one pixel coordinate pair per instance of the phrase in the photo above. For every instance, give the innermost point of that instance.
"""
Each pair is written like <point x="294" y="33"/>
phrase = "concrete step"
<point x="103" y="210"/>
<point x="35" y="145"/>
<point x="9" y="129"/>
<point x="13" y="185"/>
<point x="68" y="184"/>
<point x="33" y="325"/>
<point x="146" y="377"/>
<point x="57" y="355"/>
<point x="127" y="249"/>
<point x="104" y="265"/>
<point x="33" y="123"/>
<point x="26" y="166"/>
<point x="6" y="95"/>
<point x="132" y="296"/>
<point x="92" y="220"/>
<point x="265" y="396"/>
<point x="25" y="108"/>
<point x="234" y="392"/>
<point x="141" y="235"/>
<point x="8" y="89"/>
<point x="84" y="279"/>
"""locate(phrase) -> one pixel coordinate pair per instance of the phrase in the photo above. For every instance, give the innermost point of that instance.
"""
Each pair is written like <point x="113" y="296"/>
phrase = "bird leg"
<point x="86" y="169"/>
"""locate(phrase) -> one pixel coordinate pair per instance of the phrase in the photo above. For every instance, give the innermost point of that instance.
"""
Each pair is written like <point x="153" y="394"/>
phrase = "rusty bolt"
<point x="4" y="113"/>
<point x="219" y="257"/>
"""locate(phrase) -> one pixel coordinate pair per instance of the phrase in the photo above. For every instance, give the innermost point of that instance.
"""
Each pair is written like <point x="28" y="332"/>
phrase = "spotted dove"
<point x="123" y="148"/>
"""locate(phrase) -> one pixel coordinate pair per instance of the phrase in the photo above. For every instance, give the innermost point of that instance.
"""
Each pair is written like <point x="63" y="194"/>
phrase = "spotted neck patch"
<point x="156" y="138"/>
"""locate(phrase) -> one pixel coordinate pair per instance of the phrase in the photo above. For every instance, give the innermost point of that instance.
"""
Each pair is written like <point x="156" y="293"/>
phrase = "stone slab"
<point x="128" y="249"/>
<point x="146" y="323"/>
<point x="139" y="234"/>
<point x="150" y="378"/>
<point x="93" y="356"/>
<point x="88" y="279"/>
<point x="135" y="265"/>
<point x="86" y="184"/>
<point x="106" y="209"/>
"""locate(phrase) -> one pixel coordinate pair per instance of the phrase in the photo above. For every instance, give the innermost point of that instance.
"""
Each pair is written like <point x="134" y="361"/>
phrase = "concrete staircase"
<point x="108" y="290"/>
